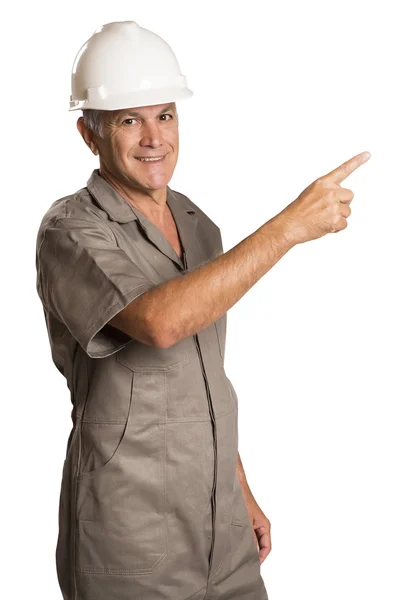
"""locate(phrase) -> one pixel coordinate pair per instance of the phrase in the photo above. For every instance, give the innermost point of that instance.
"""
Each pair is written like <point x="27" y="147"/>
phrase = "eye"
<point x="125" y="122"/>
<point x="167" y="115"/>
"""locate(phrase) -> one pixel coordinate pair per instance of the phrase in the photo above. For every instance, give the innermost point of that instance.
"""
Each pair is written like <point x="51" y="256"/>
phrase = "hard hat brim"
<point x="134" y="99"/>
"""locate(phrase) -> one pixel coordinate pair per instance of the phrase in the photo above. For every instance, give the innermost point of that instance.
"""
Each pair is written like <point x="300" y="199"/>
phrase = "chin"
<point x="159" y="184"/>
<point x="159" y="181"/>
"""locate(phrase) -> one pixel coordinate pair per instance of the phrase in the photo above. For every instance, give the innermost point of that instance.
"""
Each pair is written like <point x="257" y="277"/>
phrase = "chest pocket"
<point x="172" y="386"/>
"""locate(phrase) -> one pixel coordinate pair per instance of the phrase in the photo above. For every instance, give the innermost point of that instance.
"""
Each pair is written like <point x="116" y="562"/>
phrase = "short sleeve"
<point x="84" y="278"/>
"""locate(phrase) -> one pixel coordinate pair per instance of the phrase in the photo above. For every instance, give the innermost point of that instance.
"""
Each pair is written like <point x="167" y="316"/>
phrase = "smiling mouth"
<point x="150" y="159"/>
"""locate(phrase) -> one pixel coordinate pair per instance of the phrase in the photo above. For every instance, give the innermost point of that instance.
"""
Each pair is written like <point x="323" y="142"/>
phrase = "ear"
<point x="87" y="135"/>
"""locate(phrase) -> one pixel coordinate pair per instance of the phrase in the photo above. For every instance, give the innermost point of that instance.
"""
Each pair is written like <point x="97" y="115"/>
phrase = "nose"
<point x="151" y="135"/>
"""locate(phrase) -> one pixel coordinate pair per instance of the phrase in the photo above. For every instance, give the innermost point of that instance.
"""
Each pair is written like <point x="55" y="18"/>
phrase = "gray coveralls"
<point x="150" y="506"/>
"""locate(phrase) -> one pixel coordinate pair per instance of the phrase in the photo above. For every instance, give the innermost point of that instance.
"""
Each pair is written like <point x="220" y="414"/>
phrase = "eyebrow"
<point x="133" y="113"/>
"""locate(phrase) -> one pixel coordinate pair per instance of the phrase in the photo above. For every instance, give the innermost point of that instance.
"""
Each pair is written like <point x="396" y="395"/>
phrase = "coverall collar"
<point x="120" y="210"/>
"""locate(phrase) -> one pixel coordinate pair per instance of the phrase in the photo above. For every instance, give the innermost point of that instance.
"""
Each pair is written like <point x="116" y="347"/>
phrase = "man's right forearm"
<point x="183" y="306"/>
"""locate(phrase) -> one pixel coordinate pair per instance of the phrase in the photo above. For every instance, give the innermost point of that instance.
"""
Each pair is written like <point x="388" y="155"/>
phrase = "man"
<point x="135" y="287"/>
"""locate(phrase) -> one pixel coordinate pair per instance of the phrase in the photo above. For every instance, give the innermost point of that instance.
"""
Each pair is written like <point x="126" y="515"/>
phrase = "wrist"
<point x="285" y="230"/>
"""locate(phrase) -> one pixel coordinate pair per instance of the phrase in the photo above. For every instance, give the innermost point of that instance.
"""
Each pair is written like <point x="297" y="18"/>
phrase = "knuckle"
<point x="337" y="219"/>
<point x="324" y="182"/>
<point x="330" y="195"/>
<point x="337" y="223"/>
<point x="314" y="186"/>
<point x="321" y="183"/>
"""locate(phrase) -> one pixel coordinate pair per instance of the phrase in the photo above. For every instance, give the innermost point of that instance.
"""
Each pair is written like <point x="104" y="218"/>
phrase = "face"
<point x="132" y="135"/>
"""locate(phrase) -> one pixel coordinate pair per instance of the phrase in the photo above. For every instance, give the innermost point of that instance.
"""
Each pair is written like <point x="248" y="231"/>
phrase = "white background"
<point x="283" y="92"/>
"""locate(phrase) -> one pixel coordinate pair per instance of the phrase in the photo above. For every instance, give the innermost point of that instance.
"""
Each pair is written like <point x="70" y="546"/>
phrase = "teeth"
<point x="150" y="159"/>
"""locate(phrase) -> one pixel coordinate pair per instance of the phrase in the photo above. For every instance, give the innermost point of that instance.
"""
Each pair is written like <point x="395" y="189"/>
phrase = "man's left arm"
<point x="261" y="525"/>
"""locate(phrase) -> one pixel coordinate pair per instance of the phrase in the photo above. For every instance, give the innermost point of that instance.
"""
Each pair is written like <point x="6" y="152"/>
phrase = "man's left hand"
<point x="261" y="529"/>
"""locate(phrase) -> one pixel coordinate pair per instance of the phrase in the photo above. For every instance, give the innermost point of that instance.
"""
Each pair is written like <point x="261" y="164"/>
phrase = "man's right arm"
<point x="183" y="306"/>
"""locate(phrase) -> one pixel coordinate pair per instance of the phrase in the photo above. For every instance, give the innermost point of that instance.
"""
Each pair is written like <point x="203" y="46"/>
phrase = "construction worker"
<point x="135" y="287"/>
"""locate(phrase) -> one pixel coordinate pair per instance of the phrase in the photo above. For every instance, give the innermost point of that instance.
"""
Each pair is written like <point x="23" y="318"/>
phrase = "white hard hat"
<point x="124" y="65"/>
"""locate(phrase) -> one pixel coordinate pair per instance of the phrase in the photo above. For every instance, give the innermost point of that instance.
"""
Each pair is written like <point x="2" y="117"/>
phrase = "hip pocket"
<point x="240" y="515"/>
<point x="121" y="505"/>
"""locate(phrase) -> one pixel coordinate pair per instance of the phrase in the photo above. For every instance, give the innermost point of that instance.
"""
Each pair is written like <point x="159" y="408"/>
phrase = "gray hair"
<point x="93" y="120"/>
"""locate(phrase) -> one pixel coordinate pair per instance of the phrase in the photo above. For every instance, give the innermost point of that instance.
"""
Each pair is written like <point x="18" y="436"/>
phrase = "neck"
<point x="148" y="202"/>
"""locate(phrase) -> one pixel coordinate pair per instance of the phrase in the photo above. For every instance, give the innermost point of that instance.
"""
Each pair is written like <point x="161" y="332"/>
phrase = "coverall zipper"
<point x="211" y="410"/>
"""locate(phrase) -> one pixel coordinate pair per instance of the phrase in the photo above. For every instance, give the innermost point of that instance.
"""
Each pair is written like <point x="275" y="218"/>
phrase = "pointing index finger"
<point x="345" y="169"/>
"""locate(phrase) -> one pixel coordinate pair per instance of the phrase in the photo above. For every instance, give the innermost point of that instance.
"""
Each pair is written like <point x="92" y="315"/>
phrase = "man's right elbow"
<point x="160" y="336"/>
<point x="162" y="341"/>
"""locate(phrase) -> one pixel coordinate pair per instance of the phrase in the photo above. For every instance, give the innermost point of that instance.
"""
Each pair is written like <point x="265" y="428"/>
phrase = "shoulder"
<point x="69" y="210"/>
